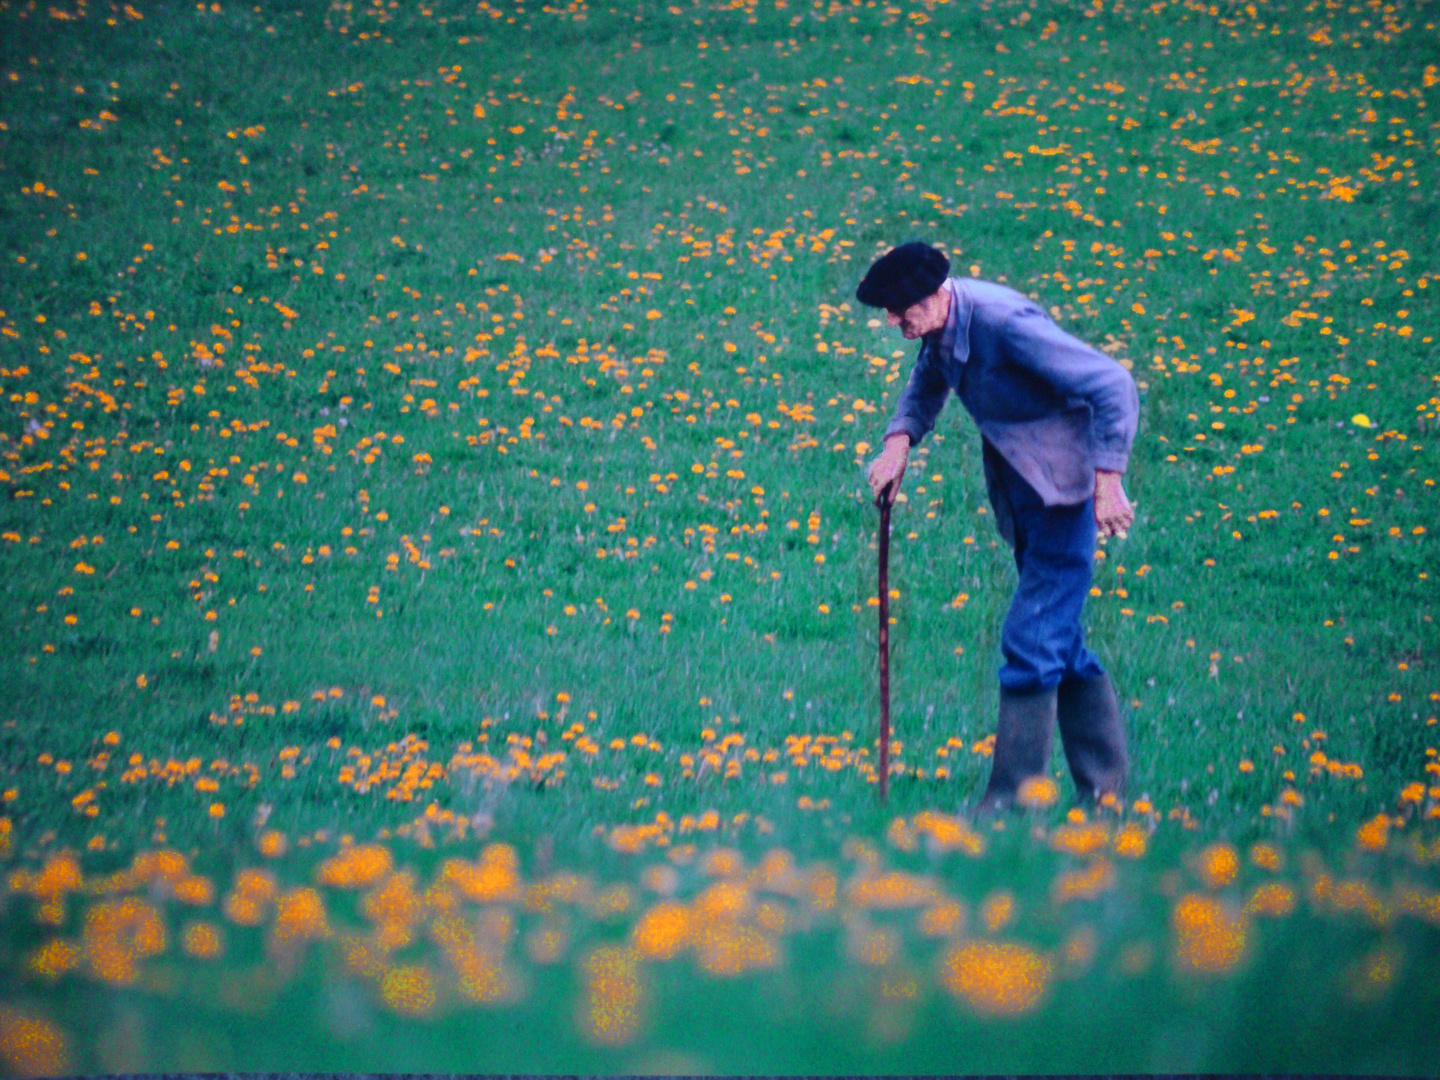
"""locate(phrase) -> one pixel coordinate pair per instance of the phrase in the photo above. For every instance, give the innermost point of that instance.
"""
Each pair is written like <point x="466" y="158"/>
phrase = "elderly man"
<point x="1057" y="419"/>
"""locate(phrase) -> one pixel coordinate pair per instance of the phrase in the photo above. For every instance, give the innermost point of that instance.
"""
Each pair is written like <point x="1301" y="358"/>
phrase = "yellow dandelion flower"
<point x="1373" y="835"/>
<point x="994" y="978"/>
<point x="194" y="890"/>
<point x="355" y="867"/>
<point x="1273" y="898"/>
<point x="60" y="875"/>
<point x="944" y="919"/>
<point x="493" y="878"/>
<point x="663" y="931"/>
<point x="1083" y="838"/>
<point x="997" y="910"/>
<point x="163" y="865"/>
<point x="395" y="908"/>
<point x="1217" y="865"/>
<point x="1352" y="895"/>
<point x="299" y="917"/>
<point x="1208" y="937"/>
<point x="32" y="1046"/>
<point x="722" y="900"/>
<point x="613" y="995"/>
<point x="55" y="958"/>
<point x="1084" y="884"/>
<point x="408" y="990"/>
<point x="202" y="940"/>
<point x="1265" y="856"/>
<point x="949" y="833"/>
<point x="118" y="934"/>
<point x="732" y="948"/>
<point x="1037" y="792"/>
<point x="1131" y="840"/>
<point x="250" y="896"/>
<point x="891" y="891"/>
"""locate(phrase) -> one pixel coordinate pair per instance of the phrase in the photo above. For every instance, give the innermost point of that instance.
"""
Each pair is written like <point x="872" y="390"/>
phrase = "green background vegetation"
<point x="462" y="411"/>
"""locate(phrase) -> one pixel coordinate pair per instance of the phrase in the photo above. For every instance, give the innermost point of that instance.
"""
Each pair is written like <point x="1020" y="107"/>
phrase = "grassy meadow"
<point x="439" y="575"/>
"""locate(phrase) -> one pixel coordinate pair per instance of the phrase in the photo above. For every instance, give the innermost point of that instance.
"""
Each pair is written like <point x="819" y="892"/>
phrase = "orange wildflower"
<point x="613" y="995"/>
<point x="355" y="867"/>
<point x="409" y="990"/>
<point x="32" y="1046"/>
<point x="118" y="933"/>
<point x="1209" y="937"/>
<point x="662" y="931"/>
<point x="1217" y="865"/>
<point x="996" y="979"/>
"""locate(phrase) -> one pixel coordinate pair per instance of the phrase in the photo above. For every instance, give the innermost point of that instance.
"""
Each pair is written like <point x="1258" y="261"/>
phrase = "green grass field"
<point x="439" y="575"/>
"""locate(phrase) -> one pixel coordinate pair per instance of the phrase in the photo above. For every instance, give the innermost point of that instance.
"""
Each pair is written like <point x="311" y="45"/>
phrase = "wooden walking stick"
<point x="884" y="506"/>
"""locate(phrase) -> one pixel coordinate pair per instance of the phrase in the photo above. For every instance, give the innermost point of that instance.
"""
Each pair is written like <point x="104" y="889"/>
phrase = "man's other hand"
<point x="887" y="470"/>
<point x="1113" y="513"/>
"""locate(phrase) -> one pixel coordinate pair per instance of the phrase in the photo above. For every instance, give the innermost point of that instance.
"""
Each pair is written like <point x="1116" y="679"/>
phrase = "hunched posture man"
<point x="1057" y="419"/>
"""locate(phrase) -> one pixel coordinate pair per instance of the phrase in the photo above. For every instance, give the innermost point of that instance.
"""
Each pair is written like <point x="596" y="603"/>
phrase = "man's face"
<point x="924" y="317"/>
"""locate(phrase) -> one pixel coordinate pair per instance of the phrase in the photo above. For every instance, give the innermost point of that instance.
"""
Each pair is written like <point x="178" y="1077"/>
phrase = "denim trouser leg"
<point x="1042" y="640"/>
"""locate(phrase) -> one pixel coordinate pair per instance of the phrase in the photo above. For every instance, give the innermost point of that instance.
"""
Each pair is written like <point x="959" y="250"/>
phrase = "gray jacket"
<point x="1052" y="406"/>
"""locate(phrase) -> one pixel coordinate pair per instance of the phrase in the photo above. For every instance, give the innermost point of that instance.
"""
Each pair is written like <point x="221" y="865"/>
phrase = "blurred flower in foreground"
<point x="60" y="875"/>
<point x="202" y="940"/>
<point x="408" y="990"/>
<point x="395" y="908"/>
<point x="355" y="867"/>
<point x="477" y="957"/>
<point x="944" y="919"/>
<point x="1080" y="837"/>
<point x="1037" y="792"/>
<point x="30" y="1046"/>
<point x="663" y="930"/>
<point x="1374" y="834"/>
<point x="1209" y="937"/>
<point x="117" y="934"/>
<point x="996" y="979"/>
<point x="299" y="918"/>
<point x="1265" y="856"/>
<point x="492" y="878"/>
<point x="1087" y="883"/>
<point x="733" y="948"/>
<point x="610" y="1013"/>
<point x="1373" y="974"/>
<point x="56" y="957"/>
<point x="997" y="910"/>
<point x="1131" y="840"/>
<point x="1217" y="865"/>
<point x="949" y="833"/>
<point x="1271" y="898"/>
<point x="250" y="897"/>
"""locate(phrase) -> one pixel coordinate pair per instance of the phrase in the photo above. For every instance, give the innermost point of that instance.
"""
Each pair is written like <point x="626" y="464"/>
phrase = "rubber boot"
<point x="1093" y="736"/>
<point x="1024" y="735"/>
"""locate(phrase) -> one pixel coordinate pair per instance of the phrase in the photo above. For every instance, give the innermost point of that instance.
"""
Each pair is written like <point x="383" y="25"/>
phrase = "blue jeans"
<point x="1042" y="640"/>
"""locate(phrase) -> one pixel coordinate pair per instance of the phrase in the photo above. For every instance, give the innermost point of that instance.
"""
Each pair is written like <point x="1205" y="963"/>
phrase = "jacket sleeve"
<point x="1078" y="371"/>
<point x="921" y="400"/>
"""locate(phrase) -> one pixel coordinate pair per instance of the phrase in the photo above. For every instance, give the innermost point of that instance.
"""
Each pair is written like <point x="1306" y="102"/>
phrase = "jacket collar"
<point x="954" y="339"/>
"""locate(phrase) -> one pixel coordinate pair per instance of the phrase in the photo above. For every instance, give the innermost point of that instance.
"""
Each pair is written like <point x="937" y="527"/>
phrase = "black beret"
<point x="903" y="276"/>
